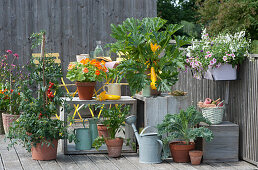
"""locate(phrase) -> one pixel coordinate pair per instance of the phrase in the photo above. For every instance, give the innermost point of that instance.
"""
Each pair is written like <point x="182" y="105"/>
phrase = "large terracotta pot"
<point x="45" y="152"/>
<point x="196" y="157"/>
<point x="1" y="123"/>
<point x="180" y="151"/>
<point x="85" y="90"/>
<point x="8" y="119"/>
<point x="103" y="131"/>
<point x="114" y="147"/>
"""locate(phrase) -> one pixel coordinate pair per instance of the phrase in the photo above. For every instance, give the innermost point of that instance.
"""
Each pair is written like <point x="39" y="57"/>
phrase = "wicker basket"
<point x="214" y="115"/>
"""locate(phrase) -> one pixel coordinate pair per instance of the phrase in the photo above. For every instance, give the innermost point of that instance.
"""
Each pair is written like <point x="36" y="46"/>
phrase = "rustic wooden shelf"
<point x="129" y="134"/>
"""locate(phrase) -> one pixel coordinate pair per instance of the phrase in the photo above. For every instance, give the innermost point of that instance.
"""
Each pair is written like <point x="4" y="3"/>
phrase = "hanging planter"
<point x="224" y="72"/>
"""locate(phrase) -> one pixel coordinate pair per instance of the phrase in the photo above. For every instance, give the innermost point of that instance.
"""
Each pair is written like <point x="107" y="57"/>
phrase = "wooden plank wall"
<point x="72" y="26"/>
<point x="242" y="107"/>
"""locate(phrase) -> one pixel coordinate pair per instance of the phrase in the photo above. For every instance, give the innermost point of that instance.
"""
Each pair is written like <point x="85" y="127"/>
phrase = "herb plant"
<point x="182" y="126"/>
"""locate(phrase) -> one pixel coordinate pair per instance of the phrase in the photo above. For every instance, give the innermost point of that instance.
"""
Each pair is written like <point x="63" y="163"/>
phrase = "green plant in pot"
<point x="36" y="129"/>
<point x="114" y="120"/>
<point x="86" y="73"/>
<point x="182" y="126"/>
<point x="149" y="58"/>
<point x="11" y="76"/>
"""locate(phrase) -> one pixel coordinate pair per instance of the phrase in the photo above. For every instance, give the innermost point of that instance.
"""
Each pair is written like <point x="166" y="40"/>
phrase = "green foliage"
<point x="135" y="39"/>
<point x="231" y="16"/>
<point x="114" y="118"/>
<point x="86" y="71"/>
<point x="98" y="142"/>
<point x="182" y="126"/>
<point x="180" y="12"/>
<point x="36" y="124"/>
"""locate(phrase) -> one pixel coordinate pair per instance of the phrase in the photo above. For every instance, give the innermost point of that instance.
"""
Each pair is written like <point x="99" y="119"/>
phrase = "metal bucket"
<point x="83" y="135"/>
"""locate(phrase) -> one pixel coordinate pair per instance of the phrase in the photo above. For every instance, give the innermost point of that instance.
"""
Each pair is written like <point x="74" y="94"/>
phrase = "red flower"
<point x="85" y="70"/>
<point x="11" y="90"/>
<point x="16" y="55"/>
<point x="9" y="51"/>
<point x="97" y="72"/>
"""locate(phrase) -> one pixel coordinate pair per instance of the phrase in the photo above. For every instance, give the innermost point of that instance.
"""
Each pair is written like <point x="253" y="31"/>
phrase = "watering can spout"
<point x="130" y="121"/>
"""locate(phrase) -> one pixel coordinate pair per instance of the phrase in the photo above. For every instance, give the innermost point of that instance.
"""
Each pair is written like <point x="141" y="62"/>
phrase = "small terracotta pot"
<point x="196" y="157"/>
<point x="44" y="153"/>
<point x="114" y="147"/>
<point x="85" y="90"/>
<point x="8" y="119"/>
<point x="180" y="151"/>
<point x="103" y="131"/>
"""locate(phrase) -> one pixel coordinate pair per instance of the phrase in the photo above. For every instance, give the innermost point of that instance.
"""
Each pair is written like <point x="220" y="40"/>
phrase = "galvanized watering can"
<point x="150" y="146"/>
<point x="83" y="135"/>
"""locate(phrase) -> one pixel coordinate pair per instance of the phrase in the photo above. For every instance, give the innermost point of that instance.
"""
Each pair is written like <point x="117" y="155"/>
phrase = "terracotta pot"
<point x="103" y="131"/>
<point x="114" y="147"/>
<point x="196" y="157"/>
<point x="180" y="151"/>
<point x="8" y="119"/>
<point x="1" y="123"/>
<point x="44" y="153"/>
<point x="85" y="90"/>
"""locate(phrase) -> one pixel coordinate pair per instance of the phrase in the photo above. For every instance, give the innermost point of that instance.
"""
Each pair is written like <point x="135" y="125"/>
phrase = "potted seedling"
<point x="114" y="120"/>
<point x="182" y="126"/>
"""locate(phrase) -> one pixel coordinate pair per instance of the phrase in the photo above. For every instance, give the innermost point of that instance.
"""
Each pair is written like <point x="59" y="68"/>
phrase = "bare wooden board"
<point x="241" y="165"/>
<point x="180" y="165"/>
<point x="84" y="162"/>
<point x="221" y="165"/>
<point x="1" y="162"/>
<point x="26" y="160"/>
<point x="122" y="163"/>
<point x="102" y="162"/>
<point x="50" y="165"/>
<point x="11" y="160"/>
<point x="66" y="162"/>
<point x="134" y="159"/>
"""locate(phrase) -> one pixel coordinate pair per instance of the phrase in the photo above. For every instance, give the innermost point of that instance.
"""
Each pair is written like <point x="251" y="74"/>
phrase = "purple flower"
<point x="191" y="63"/>
<point x="9" y="51"/>
<point x="214" y="60"/>
<point x="16" y="55"/>
<point x="212" y="43"/>
<point x="13" y="65"/>
<point x="211" y="62"/>
<point x="201" y="50"/>
<point x="218" y="65"/>
<point x="225" y="58"/>
<point x="208" y="52"/>
<point x="187" y="60"/>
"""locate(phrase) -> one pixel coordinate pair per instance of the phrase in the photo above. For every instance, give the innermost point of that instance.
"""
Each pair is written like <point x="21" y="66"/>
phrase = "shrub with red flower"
<point x="86" y="71"/>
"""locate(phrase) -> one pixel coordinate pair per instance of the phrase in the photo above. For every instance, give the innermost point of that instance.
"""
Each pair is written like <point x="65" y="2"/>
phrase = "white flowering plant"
<point x="212" y="52"/>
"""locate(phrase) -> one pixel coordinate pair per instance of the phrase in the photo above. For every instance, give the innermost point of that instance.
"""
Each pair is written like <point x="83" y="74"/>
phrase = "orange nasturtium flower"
<point x="85" y="61"/>
<point x="97" y="72"/>
<point x="71" y="66"/>
<point x="154" y="47"/>
<point x="85" y="70"/>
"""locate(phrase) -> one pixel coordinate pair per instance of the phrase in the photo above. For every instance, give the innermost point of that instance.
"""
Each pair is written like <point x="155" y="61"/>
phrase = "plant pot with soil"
<point x="114" y="120"/>
<point x="86" y="73"/>
<point x="196" y="157"/>
<point x="102" y="130"/>
<point x="182" y="126"/>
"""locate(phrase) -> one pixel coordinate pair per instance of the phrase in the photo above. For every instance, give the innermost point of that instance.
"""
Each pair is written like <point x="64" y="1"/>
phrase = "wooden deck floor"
<point x="19" y="159"/>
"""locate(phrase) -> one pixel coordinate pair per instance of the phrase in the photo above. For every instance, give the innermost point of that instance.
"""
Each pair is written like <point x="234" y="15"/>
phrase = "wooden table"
<point x="70" y="148"/>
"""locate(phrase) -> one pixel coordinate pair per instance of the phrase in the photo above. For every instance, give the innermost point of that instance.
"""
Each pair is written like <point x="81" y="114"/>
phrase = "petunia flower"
<point x="9" y="51"/>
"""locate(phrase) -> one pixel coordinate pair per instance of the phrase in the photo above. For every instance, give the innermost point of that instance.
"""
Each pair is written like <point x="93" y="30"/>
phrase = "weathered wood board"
<point x="224" y="146"/>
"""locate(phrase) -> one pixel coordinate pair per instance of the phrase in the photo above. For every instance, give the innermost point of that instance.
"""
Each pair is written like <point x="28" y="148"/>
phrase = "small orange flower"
<point x="11" y="90"/>
<point x="154" y="47"/>
<point x="103" y="62"/>
<point x="19" y="94"/>
<point x="97" y="72"/>
<point x="85" y="70"/>
<point x="70" y="66"/>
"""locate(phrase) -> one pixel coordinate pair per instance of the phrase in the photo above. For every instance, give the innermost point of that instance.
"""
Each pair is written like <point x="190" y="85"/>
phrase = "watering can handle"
<point x="146" y="129"/>
<point x="83" y="123"/>
<point x="161" y="143"/>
